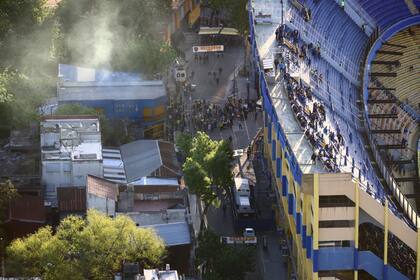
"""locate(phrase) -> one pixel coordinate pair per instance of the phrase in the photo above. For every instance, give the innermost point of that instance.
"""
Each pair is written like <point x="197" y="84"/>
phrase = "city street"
<point x="268" y="261"/>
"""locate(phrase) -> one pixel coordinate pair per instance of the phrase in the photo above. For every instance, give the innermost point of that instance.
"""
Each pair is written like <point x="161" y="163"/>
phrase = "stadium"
<point x="340" y="86"/>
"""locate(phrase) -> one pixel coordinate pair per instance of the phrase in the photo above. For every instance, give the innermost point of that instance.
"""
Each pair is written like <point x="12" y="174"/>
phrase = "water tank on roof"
<point x="118" y="276"/>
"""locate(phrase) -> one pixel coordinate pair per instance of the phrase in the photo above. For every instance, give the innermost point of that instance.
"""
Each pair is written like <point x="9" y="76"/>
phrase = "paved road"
<point x="269" y="262"/>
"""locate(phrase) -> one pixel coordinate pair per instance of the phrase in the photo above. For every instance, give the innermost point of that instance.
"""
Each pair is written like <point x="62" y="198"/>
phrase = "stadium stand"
<point x="321" y="49"/>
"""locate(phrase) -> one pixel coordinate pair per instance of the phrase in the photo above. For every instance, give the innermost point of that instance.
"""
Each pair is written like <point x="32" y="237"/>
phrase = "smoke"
<point x="92" y="39"/>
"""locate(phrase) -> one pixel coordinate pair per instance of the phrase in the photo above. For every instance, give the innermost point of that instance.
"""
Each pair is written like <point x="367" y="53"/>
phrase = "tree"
<point x="72" y="109"/>
<point x="208" y="169"/>
<point x="84" y="249"/>
<point x="7" y="193"/>
<point x="121" y="35"/>
<point x="184" y="143"/>
<point x="221" y="261"/>
<point x="237" y="13"/>
<point x="148" y="56"/>
<point x="19" y="17"/>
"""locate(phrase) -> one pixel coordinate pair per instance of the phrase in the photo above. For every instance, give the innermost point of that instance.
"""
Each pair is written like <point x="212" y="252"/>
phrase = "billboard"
<point x="212" y="48"/>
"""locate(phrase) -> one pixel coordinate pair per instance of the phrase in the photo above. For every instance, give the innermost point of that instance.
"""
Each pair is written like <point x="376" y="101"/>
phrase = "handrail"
<point x="375" y="43"/>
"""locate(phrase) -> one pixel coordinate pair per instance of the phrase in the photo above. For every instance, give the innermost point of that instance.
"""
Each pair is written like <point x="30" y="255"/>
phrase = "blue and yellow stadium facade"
<point x="299" y="213"/>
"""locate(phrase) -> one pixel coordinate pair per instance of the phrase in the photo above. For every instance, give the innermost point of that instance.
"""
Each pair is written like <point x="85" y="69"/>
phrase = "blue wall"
<point x="132" y="109"/>
<point x="343" y="258"/>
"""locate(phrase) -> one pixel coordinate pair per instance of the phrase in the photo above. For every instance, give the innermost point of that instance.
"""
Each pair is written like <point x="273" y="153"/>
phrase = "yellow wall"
<point x="327" y="184"/>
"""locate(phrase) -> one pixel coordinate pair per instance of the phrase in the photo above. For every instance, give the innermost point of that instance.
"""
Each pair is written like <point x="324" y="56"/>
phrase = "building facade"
<point x="340" y="224"/>
<point x="118" y="95"/>
<point x="70" y="150"/>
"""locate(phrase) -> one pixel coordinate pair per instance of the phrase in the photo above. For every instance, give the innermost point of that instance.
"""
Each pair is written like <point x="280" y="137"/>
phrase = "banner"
<point x="214" y="48"/>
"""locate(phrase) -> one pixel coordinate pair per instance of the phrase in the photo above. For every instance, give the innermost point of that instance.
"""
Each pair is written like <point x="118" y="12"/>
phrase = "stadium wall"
<point x="299" y="194"/>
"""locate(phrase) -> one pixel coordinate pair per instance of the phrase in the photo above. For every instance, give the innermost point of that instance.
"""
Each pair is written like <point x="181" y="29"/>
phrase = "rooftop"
<point x="140" y="158"/>
<point x="71" y="199"/>
<point x="71" y="138"/>
<point x="80" y="84"/>
<point x="170" y="225"/>
<point x="154" y="274"/>
<point x="72" y="73"/>
<point x="28" y="208"/>
<point x="137" y="162"/>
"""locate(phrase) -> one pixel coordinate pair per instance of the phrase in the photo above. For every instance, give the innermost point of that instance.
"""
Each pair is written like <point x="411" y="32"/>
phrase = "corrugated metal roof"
<point x="174" y="233"/>
<point x="152" y="181"/>
<point x="140" y="158"/>
<point x="28" y="208"/>
<point x="113" y="165"/>
<point x="71" y="199"/>
<point x="120" y="92"/>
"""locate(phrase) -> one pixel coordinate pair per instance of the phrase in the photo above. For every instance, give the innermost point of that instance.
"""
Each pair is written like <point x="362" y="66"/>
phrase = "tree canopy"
<point x="117" y="35"/>
<point x="122" y="35"/>
<point x="237" y="12"/>
<point x="84" y="249"/>
<point x="7" y="193"/>
<point x="221" y="261"/>
<point x="208" y="168"/>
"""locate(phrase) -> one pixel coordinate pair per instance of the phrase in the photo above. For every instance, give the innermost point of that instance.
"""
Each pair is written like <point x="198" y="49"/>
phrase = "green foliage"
<point x="28" y="73"/>
<point x="84" y="249"/>
<point x="19" y="17"/>
<point x="7" y="193"/>
<point x="148" y="56"/>
<point x="208" y="168"/>
<point x="184" y="143"/>
<point x="6" y="79"/>
<point x="21" y="99"/>
<point x="122" y="35"/>
<point x="75" y="109"/>
<point x="238" y="15"/>
<point x="223" y="261"/>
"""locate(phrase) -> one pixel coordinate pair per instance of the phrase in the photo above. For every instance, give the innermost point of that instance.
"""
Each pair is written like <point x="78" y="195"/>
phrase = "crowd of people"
<point x="400" y="256"/>
<point x="207" y="116"/>
<point x="311" y="116"/>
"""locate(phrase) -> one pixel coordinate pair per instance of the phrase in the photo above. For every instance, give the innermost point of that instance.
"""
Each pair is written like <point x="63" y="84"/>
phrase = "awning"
<point x="218" y="31"/>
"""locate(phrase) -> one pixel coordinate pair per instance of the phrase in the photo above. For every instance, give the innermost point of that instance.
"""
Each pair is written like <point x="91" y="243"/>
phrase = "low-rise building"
<point x="152" y="274"/>
<point x="26" y="215"/>
<point x="101" y="195"/>
<point x="173" y="226"/>
<point x="70" y="150"/>
<point x="119" y="95"/>
<point x="137" y="161"/>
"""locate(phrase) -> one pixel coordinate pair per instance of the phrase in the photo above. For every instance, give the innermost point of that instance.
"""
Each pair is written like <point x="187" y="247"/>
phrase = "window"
<point x="119" y="108"/>
<point x="131" y="108"/>
<point x="335" y="201"/>
<point x="336" y="224"/>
